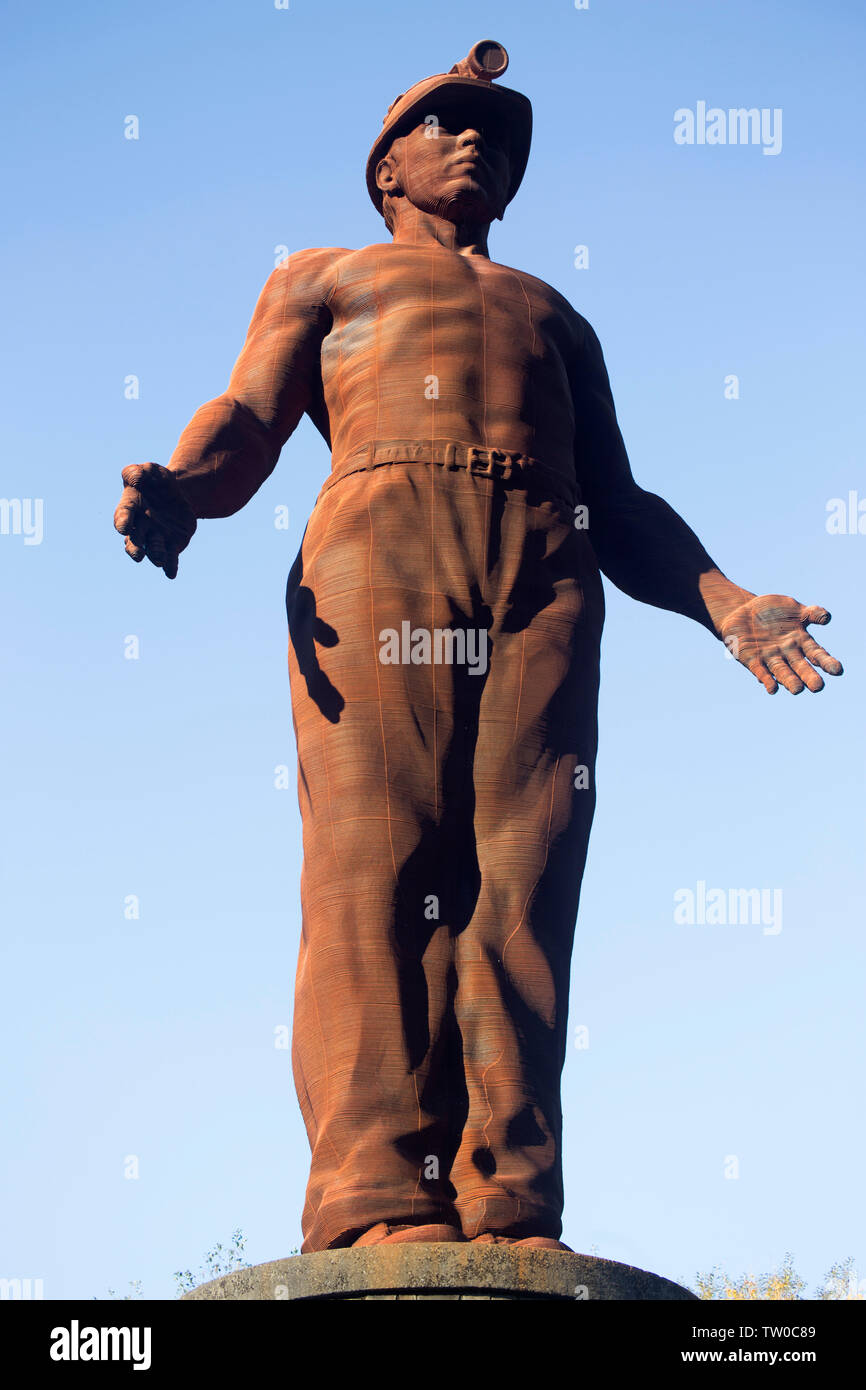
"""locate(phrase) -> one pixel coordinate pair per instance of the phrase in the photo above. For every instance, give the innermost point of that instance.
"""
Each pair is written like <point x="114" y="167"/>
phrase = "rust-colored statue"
<point x="445" y="612"/>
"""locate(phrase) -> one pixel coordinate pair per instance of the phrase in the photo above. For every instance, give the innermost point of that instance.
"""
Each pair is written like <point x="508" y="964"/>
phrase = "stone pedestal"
<point x="428" y="1270"/>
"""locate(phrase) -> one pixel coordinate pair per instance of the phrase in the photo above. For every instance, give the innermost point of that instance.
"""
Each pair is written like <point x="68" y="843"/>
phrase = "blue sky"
<point x="155" y="777"/>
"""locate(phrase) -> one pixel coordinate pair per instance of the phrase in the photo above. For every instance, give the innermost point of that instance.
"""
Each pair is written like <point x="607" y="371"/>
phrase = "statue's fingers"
<point x="178" y="531"/>
<point x="152" y="486"/>
<point x="156" y="547"/>
<point x="131" y="474"/>
<point x="135" y="552"/>
<point x="760" y="672"/>
<point x="169" y="564"/>
<point x="815" y="614"/>
<point x="157" y="482"/>
<point x="819" y="657"/>
<point x="782" y="672"/>
<point x="129" y="504"/>
<point x="808" y="675"/>
<point x="134" y="474"/>
<point x="138" y="534"/>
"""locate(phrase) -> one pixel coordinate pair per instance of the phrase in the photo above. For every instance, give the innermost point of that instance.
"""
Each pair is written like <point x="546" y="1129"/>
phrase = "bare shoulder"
<point x="303" y="279"/>
<point x="540" y="289"/>
<point x="583" y="334"/>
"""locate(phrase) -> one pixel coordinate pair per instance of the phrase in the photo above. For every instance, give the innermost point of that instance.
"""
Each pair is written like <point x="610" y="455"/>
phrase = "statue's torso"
<point x="429" y="344"/>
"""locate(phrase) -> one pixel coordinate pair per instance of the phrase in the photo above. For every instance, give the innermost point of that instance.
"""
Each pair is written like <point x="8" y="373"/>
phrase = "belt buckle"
<point x="493" y="459"/>
<point x="474" y="455"/>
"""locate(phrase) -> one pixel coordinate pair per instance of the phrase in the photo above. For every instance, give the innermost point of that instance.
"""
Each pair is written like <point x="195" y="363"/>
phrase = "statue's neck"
<point x="416" y="228"/>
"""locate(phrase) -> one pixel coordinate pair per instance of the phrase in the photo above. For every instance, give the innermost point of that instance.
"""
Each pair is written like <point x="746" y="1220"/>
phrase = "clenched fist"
<point x="154" y="516"/>
<point x="768" y="635"/>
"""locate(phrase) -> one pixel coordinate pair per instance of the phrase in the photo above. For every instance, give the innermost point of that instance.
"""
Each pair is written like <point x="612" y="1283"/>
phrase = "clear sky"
<point x="154" y="1037"/>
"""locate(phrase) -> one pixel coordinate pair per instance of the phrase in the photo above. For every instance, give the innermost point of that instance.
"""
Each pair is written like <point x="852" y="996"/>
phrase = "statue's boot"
<point x="383" y="1234"/>
<point x="527" y="1243"/>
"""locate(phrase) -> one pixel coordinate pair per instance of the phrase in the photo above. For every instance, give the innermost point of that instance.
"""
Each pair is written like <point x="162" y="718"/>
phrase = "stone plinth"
<point x="428" y="1270"/>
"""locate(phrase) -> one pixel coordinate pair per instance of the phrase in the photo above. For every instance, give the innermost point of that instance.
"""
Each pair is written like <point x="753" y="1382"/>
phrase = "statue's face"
<point x="459" y="169"/>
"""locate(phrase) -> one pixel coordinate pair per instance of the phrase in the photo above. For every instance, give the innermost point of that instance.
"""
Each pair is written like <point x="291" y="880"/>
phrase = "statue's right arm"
<point x="232" y="443"/>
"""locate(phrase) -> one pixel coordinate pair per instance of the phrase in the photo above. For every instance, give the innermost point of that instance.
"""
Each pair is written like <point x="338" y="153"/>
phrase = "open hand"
<point x="768" y="636"/>
<point x="154" y="516"/>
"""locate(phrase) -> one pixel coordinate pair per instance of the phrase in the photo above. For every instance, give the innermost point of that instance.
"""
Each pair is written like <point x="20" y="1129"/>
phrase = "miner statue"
<point x="445" y="613"/>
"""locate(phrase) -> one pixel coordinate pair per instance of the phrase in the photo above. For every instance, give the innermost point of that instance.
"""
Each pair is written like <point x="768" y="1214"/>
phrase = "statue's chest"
<point x="396" y="306"/>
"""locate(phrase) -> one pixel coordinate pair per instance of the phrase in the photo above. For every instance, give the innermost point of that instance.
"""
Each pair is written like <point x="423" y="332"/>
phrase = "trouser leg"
<point x="534" y="800"/>
<point x="383" y="768"/>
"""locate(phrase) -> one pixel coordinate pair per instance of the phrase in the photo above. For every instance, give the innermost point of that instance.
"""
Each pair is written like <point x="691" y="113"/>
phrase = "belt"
<point x="504" y="464"/>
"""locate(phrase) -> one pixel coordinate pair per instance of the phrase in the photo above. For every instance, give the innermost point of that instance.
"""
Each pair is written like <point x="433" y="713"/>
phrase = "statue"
<point x="445" y="613"/>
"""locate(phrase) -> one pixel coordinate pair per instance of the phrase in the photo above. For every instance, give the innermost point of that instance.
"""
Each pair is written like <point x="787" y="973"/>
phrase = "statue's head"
<point x="455" y="144"/>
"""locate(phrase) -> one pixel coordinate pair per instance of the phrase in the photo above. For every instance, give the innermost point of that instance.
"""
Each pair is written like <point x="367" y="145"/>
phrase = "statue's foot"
<point x="526" y="1243"/>
<point x="383" y="1234"/>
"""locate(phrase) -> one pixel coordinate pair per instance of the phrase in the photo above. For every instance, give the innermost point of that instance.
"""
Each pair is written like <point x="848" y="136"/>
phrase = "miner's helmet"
<point x="467" y="87"/>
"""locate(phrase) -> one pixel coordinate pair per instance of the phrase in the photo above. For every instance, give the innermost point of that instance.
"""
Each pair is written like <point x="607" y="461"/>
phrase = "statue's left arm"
<point x="649" y="552"/>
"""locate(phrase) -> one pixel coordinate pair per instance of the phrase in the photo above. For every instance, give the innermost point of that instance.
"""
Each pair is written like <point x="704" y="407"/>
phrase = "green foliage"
<point x="135" y="1291"/>
<point x="842" y="1284"/>
<point x="220" y="1260"/>
<point x="783" y="1284"/>
<point x="217" y="1262"/>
